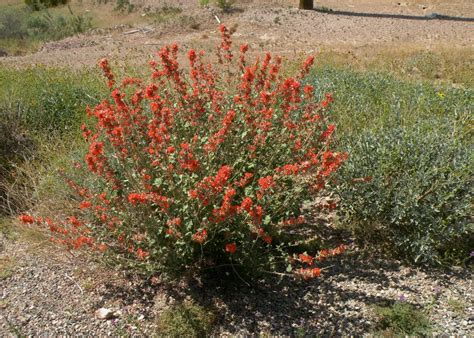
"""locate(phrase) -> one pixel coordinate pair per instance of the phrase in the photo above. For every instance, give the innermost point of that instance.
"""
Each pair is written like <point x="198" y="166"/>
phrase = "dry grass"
<point x="7" y="267"/>
<point x="453" y="64"/>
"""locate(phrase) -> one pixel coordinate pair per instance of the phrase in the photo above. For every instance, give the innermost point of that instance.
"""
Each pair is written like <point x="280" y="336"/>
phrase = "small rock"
<point x="105" y="314"/>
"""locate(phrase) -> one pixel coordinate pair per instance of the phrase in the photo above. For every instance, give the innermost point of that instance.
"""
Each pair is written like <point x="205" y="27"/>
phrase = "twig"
<point x="233" y="268"/>
<point x="326" y="267"/>
<point x="82" y="291"/>
<point x="278" y="273"/>
<point x="426" y="193"/>
<point x="132" y="32"/>
<point x="290" y="274"/>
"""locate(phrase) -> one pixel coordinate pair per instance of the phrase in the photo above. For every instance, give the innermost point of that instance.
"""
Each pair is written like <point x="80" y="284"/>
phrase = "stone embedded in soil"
<point x="105" y="314"/>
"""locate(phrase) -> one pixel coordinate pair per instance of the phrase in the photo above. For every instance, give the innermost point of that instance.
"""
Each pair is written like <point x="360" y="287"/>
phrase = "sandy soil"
<point x="275" y="26"/>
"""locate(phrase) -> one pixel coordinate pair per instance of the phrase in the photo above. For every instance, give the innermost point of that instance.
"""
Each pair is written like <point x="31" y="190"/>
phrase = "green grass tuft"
<point x="402" y="319"/>
<point x="186" y="320"/>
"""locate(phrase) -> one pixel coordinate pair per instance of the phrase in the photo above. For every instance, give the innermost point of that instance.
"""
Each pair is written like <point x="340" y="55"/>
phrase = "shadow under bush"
<point x="417" y="196"/>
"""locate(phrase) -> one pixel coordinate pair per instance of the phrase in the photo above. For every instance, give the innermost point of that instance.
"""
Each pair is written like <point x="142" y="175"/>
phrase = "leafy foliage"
<point x="417" y="193"/>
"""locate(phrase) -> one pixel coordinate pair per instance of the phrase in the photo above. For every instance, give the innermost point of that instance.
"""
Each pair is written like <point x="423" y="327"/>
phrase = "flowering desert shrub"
<point x="202" y="167"/>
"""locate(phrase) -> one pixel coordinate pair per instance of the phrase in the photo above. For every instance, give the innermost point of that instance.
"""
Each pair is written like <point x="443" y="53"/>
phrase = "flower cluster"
<point x="200" y="165"/>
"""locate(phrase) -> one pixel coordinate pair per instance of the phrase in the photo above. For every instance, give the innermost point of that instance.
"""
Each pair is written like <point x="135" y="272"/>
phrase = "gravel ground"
<point x="47" y="291"/>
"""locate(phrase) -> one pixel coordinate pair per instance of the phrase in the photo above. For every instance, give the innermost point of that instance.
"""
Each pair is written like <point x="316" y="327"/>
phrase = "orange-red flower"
<point x="246" y="204"/>
<point x="102" y="247"/>
<point x="308" y="273"/>
<point x="135" y="198"/>
<point x="85" y="205"/>
<point x="304" y="258"/>
<point x="200" y="236"/>
<point x="26" y="219"/>
<point x="266" y="182"/>
<point x="231" y="248"/>
<point x="74" y="221"/>
<point x="142" y="254"/>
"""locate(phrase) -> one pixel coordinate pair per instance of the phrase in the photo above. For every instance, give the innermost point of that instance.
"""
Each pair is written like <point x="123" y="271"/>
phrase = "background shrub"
<point x="46" y="26"/>
<point x="13" y="23"/>
<point x="40" y="4"/>
<point x="417" y="199"/>
<point x="22" y="29"/>
<point x="408" y="137"/>
<point x="48" y="100"/>
<point x="40" y="112"/>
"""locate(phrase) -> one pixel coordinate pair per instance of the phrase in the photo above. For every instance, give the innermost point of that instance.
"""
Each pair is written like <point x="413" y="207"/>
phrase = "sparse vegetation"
<point x="124" y="5"/>
<point x="402" y="318"/>
<point x="457" y="305"/>
<point x="225" y="5"/>
<point x="7" y="267"/>
<point x="41" y="4"/>
<point x="166" y="14"/>
<point x="186" y="320"/>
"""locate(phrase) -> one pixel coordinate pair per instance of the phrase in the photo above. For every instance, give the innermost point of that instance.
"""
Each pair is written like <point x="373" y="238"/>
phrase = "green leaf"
<point x="267" y="220"/>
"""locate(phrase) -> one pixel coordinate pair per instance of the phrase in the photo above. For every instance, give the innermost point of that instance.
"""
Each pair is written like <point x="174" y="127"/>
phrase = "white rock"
<point x="104" y="313"/>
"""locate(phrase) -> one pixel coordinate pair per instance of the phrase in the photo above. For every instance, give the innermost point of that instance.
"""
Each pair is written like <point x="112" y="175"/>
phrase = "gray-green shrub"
<point x="408" y="136"/>
<point x="418" y="201"/>
<point x="13" y="23"/>
<point x="22" y="24"/>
